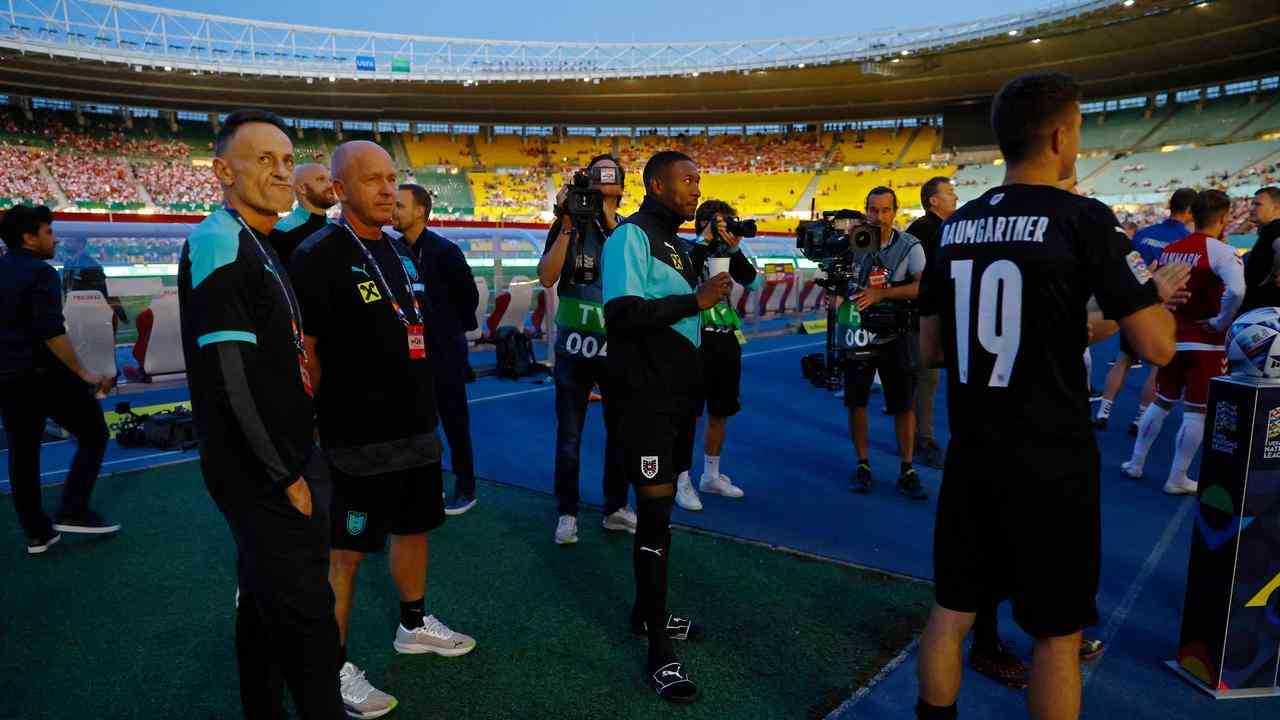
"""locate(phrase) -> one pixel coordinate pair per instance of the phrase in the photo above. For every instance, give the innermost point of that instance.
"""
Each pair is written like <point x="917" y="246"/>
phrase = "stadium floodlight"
<point x="1128" y="3"/>
<point x="906" y="52"/>
<point x="696" y="74"/>
<point x="801" y="66"/>
<point x="168" y="68"/>
<point x="333" y="79"/>
<point x="1035" y="41"/>
<point x="1013" y="33"/>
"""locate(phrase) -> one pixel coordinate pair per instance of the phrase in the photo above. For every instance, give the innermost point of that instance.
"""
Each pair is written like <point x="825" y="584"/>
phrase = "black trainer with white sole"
<point x="678" y="628"/>
<point x="87" y="523"/>
<point x="35" y="546"/>
<point x="672" y="683"/>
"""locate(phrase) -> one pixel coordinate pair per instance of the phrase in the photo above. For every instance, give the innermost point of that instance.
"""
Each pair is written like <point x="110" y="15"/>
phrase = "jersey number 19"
<point x="999" y="317"/>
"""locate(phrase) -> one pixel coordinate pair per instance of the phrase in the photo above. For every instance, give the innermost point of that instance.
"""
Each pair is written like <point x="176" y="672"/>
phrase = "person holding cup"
<point x="718" y="251"/>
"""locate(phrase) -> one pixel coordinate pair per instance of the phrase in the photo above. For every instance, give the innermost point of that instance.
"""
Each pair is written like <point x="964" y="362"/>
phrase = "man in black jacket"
<point x="651" y="312"/>
<point x="41" y="376"/>
<point x="938" y="198"/>
<point x="1261" y="281"/>
<point x="452" y="289"/>
<point x="251" y="395"/>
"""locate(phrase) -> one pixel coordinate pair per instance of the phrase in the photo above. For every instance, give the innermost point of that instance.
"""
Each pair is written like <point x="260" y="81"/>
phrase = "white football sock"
<point x="1142" y="409"/>
<point x="711" y="466"/>
<point x="683" y="478"/>
<point x="1088" y="369"/>
<point x="1104" y="409"/>
<point x="1190" y="435"/>
<point x="1148" y="431"/>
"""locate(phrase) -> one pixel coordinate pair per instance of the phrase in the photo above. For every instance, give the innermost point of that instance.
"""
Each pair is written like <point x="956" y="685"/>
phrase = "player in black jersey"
<point x="1004" y="310"/>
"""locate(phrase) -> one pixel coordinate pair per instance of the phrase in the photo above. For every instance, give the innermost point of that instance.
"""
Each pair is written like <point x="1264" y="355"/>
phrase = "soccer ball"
<point x="1253" y="344"/>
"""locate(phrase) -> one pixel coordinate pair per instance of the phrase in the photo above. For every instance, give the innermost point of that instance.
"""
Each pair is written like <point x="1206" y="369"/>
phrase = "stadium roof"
<point x="116" y="52"/>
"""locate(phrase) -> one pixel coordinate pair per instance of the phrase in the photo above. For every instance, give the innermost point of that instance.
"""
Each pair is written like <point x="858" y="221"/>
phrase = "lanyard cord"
<point x="295" y="314"/>
<point x="395" y="305"/>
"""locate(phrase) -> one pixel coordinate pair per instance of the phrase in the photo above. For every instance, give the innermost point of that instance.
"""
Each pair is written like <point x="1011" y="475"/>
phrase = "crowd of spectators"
<point x="1238" y="222"/>
<point x="92" y="179"/>
<point x="759" y="154"/>
<point x="178" y="183"/>
<point x="21" y="179"/>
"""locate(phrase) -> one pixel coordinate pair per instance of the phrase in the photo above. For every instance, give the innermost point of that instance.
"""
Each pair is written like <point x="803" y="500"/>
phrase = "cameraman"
<point x="571" y="262"/>
<point x="721" y="351"/>
<point x="890" y="274"/>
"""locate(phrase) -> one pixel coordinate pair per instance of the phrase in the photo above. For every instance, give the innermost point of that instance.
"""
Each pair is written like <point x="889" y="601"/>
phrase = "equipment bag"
<point x="173" y="430"/>
<point x="515" y="354"/>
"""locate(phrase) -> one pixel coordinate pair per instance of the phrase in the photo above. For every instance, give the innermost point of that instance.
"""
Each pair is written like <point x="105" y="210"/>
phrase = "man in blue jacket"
<point x="652" y="323"/>
<point x="452" y="290"/>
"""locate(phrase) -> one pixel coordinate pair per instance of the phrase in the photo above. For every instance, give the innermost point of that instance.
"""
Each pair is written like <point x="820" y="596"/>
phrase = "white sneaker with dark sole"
<point x="433" y="637"/>
<point x="1131" y="469"/>
<point x="360" y="698"/>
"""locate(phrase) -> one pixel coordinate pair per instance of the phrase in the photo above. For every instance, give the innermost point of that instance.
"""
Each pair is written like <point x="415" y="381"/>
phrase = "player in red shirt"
<point x="1216" y="289"/>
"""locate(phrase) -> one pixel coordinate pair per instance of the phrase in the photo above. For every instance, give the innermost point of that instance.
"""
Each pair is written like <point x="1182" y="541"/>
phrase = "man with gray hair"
<point x="371" y="360"/>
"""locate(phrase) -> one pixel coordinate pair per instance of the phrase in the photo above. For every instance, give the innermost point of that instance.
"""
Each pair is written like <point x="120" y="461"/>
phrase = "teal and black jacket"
<point x="651" y="312"/>
<point x="293" y="229"/>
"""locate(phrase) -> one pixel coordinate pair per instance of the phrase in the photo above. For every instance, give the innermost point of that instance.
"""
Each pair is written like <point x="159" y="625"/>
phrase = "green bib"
<point x="580" y="315"/>
<point x="721" y="316"/>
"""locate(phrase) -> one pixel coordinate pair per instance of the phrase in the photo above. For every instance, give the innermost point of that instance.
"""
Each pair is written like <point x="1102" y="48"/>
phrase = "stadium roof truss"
<point x="153" y="37"/>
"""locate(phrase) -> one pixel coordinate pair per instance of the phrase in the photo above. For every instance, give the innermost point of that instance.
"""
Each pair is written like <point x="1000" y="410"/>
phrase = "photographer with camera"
<point x="587" y="213"/>
<point x="718" y="245"/>
<point x="887" y="277"/>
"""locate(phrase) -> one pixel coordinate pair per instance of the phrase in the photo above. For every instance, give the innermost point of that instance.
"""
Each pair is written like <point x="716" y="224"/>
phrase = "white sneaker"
<point x="720" y="485"/>
<point x="433" y="637"/>
<point x="623" y="519"/>
<point x="1131" y="469"/>
<point x="362" y="700"/>
<point x="686" y="496"/>
<point x="567" y="530"/>
<point x="1182" y="486"/>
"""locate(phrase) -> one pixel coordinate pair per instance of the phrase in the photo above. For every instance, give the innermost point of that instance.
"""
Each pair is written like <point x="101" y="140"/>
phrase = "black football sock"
<point x="411" y="614"/>
<point x="652" y="543"/>
<point x="342" y="656"/>
<point x="925" y="711"/>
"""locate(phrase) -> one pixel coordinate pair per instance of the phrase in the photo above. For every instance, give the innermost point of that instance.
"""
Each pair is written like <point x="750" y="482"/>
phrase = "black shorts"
<point x="365" y="510"/>
<point x="656" y="447"/>
<point x="1023" y="528"/>
<point x="721" y="372"/>
<point x="896" y="361"/>
<point x="1127" y="349"/>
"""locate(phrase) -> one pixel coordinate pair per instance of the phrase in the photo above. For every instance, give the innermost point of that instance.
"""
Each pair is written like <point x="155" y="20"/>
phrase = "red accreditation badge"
<point x="417" y="343"/>
<point x="306" y="377"/>
<point x="879" y="278"/>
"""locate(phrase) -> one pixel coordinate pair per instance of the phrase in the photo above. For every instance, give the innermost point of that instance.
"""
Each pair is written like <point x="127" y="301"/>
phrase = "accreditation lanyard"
<point x="295" y="312"/>
<point x="417" y="342"/>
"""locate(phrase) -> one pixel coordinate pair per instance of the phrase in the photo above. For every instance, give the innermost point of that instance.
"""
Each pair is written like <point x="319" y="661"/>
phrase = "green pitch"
<point x="140" y="625"/>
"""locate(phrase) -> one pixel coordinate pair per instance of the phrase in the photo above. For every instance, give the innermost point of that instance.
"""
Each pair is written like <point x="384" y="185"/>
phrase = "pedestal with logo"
<point x="1230" y="640"/>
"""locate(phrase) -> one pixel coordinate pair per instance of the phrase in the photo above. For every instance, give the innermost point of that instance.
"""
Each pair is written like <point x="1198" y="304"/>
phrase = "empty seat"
<point x="164" y="350"/>
<point x="88" y="319"/>
<point x="482" y="304"/>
